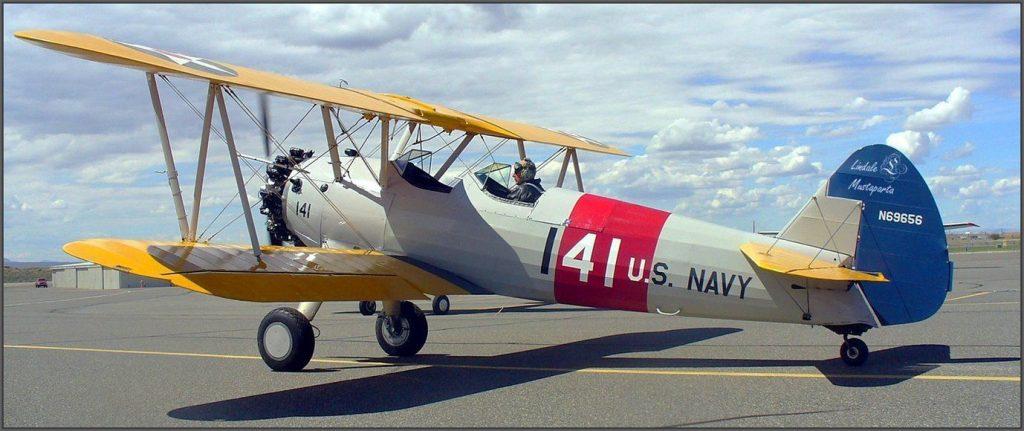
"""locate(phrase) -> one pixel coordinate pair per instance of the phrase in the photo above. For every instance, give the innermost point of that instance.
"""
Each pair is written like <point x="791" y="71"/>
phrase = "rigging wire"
<point x="337" y="210"/>
<point x="470" y="167"/>
<point x="489" y="151"/>
<point x="202" y="118"/>
<point x="216" y="131"/>
<point x="232" y="221"/>
<point x="449" y="143"/>
<point x="225" y="207"/>
<point x="550" y="158"/>
<point x="348" y="134"/>
<point x="831" y="234"/>
<point x="359" y="149"/>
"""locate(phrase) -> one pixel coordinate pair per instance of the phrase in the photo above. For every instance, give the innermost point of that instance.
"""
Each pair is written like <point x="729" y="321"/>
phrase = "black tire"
<point x="367" y="308"/>
<point x="441" y="305"/>
<point x="290" y="338"/>
<point x="413" y="334"/>
<point x="854" y="352"/>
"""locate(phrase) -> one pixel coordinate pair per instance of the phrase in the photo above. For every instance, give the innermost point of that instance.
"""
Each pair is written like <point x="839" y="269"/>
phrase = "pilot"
<point x="527" y="188"/>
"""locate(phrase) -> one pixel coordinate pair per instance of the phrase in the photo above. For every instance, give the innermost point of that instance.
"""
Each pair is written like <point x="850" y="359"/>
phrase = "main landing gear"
<point x="854" y="352"/>
<point x="367" y="308"/>
<point x="286" y="339"/>
<point x="404" y="333"/>
<point x="441" y="305"/>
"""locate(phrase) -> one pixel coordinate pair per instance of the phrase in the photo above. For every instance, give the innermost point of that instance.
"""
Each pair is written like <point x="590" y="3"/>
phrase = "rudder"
<point x="901" y="234"/>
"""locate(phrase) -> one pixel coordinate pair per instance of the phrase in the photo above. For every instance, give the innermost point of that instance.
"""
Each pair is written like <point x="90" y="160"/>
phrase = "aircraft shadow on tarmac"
<point x="538" y="307"/>
<point x="448" y="377"/>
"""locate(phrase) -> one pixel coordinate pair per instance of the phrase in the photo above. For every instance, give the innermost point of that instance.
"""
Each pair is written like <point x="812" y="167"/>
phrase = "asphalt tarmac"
<point x="169" y="357"/>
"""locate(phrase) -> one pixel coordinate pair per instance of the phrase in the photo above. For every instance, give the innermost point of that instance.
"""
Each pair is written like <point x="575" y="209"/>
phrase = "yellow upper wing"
<point x="154" y="60"/>
<point x="282" y="274"/>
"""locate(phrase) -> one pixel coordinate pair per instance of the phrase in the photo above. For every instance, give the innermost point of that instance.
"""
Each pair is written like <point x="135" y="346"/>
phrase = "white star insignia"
<point x="184" y="60"/>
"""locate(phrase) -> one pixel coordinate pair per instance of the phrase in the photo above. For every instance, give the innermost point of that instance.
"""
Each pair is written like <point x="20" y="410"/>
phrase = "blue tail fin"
<point x="901" y="234"/>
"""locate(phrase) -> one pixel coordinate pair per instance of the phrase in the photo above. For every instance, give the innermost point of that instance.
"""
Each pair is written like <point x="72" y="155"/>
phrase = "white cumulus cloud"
<point x="915" y="145"/>
<point x="974" y="190"/>
<point x="1003" y="186"/>
<point x="956" y="107"/>
<point x="685" y="136"/>
<point x="960" y="152"/>
<point x="500" y="60"/>
<point x="786" y="161"/>
<point x="721" y="105"/>
<point x="857" y="104"/>
<point x="829" y="132"/>
<point x="872" y="122"/>
<point x="949" y="180"/>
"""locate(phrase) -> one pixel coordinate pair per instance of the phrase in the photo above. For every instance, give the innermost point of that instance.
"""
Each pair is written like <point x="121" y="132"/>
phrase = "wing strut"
<point x="332" y="144"/>
<point x="384" y="138"/>
<point x="302" y="172"/>
<point x="165" y="143"/>
<point x="204" y="143"/>
<point x="242" y="196"/>
<point x="576" y="168"/>
<point x="404" y="141"/>
<point x="565" y="167"/>
<point x="359" y="148"/>
<point x="455" y="154"/>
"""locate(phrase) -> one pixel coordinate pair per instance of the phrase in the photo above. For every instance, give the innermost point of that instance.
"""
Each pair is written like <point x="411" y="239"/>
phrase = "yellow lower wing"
<point x="796" y="264"/>
<point x="281" y="274"/>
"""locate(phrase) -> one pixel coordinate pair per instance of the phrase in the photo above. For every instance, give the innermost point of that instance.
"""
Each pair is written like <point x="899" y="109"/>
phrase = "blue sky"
<point x="734" y="113"/>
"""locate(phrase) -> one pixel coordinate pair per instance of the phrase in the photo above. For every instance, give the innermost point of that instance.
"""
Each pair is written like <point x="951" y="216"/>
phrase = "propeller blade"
<point x="265" y="119"/>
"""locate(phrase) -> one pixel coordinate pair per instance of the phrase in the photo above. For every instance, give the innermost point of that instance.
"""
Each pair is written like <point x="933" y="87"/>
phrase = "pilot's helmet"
<point x="525" y="169"/>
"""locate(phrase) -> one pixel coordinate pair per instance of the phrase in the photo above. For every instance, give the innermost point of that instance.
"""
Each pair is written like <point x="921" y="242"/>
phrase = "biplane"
<point x="378" y="221"/>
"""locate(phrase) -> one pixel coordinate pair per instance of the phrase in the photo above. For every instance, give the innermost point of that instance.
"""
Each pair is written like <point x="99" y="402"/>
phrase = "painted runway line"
<point x="63" y="300"/>
<point x="968" y="296"/>
<point x="690" y="373"/>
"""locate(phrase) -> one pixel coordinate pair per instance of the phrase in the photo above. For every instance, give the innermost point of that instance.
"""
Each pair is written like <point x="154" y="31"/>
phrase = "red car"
<point x="41" y="283"/>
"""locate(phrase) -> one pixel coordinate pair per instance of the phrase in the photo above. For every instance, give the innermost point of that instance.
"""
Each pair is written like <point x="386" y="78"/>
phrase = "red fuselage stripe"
<point x="603" y="230"/>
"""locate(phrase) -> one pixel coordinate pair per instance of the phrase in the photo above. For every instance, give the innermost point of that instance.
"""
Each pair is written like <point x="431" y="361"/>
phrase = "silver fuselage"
<point x="661" y="263"/>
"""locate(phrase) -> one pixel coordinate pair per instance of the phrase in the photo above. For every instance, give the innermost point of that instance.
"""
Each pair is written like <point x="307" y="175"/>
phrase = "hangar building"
<point x="88" y="275"/>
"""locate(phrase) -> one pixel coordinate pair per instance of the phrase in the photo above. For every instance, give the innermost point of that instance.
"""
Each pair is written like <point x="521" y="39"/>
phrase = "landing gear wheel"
<point x="402" y="335"/>
<point x="286" y="339"/>
<point x="854" y="352"/>
<point x="367" y="308"/>
<point x="440" y="305"/>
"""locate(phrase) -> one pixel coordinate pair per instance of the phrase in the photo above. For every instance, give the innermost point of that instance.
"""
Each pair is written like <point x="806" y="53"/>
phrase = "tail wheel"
<point x="367" y="308"/>
<point x="404" y="334"/>
<point x="440" y="305"/>
<point x="286" y="340"/>
<point x="854" y="352"/>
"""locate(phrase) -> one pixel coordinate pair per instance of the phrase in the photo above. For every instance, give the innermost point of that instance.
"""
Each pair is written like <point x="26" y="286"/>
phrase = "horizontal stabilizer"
<point x="947" y="226"/>
<point x="787" y="262"/>
<point x="958" y="225"/>
<point x="281" y="274"/>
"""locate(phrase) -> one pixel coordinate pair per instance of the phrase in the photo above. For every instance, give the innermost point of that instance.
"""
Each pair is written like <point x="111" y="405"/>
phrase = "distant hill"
<point x="21" y="275"/>
<point x="42" y="264"/>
